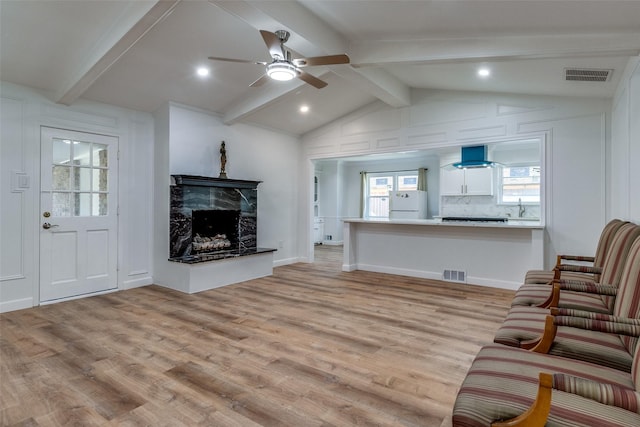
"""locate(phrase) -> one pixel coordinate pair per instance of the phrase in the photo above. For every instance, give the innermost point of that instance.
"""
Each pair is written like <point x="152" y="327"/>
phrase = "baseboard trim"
<point x="286" y="261"/>
<point x="16" y="304"/>
<point x="471" y="280"/>
<point x="90" y="294"/>
<point x="137" y="283"/>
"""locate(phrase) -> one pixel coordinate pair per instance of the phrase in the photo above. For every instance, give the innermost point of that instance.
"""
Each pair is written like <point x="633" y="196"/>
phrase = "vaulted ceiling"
<point x="141" y="54"/>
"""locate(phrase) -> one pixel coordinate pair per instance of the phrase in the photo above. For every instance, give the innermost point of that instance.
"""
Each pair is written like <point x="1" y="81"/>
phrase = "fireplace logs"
<point x="206" y="244"/>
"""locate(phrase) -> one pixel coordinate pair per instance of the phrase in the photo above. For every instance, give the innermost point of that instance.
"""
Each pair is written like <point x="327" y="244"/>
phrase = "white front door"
<point x="78" y="213"/>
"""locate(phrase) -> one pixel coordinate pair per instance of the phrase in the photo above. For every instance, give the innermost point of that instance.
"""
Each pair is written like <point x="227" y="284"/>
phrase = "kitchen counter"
<point x="511" y="223"/>
<point x="496" y="254"/>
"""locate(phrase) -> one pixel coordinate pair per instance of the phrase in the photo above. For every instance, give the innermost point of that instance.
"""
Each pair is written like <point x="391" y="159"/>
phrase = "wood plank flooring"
<point x="309" y="346"/>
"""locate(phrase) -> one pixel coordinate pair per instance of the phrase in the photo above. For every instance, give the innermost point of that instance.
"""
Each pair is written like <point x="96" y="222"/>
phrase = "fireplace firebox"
<point x="214" y="230"/>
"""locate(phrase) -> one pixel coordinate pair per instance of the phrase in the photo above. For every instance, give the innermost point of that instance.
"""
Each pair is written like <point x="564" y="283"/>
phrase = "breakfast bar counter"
<point x="488" y="253"/>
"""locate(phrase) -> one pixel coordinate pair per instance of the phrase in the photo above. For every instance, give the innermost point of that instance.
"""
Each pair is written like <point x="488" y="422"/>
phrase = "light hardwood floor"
<point x="309" y="346"/>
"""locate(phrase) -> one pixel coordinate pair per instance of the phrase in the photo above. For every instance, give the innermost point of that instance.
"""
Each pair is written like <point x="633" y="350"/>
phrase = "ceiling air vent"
<point x="587" y="75"/>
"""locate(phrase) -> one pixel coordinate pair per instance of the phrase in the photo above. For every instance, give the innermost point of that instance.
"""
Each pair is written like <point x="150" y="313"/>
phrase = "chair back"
<point x="606" y="237"/>
<point x="616" y="257"/>
<point x="627" y="301"/>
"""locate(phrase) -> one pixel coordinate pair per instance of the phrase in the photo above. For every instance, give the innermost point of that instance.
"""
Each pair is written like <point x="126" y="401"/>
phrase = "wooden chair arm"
<point x="538" y="412"/>
<point x="581" y="258"/>
<point x="553" y="299"/>
<point x="543" y="344"/>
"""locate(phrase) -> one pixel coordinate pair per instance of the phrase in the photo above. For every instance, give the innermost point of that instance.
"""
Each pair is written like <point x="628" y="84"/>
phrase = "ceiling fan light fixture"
<point x="281" y="71"/>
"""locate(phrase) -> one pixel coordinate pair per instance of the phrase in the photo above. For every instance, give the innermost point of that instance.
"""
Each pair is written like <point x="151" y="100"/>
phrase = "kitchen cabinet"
<point x="466" y="182"/>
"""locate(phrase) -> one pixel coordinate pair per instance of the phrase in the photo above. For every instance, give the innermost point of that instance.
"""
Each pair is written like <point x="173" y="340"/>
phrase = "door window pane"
<point x="61" y="151"/>
<point x="61" y="204"/>
<point x="100" y="155"/>
<point x="61" y="179"/>
<point x="82" y="179"/>
<point x="81" y="153"/>
<point x="99" y="180"/>
<point x="79" y="187"/>
<point x="99" y="204"/>
<point x="82" y="204"/>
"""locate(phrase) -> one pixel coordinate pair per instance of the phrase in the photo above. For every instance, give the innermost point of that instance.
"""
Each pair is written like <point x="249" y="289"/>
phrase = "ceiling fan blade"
<point x="321" y="60"/>
<point x="244" y="61"/>
<point x="273" y="44"/>
<point x="262" y="80"/>
<point x="312" y="80"/>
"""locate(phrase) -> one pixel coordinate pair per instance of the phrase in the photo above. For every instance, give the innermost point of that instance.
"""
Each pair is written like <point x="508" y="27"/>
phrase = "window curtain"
<point x="422" y="179"/>
<point x="363" y="192"/>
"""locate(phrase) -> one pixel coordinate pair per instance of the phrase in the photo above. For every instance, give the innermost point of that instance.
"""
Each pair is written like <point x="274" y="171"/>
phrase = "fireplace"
<point x="214" y="230"/>
<point x="212" y="218"/>
<point x="213" y="234"/>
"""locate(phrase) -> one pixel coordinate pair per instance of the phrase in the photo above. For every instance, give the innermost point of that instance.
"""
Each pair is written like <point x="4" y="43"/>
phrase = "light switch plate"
<point x="20" y="181"/>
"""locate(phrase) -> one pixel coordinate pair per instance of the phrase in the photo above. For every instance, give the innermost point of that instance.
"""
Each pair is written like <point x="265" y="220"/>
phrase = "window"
<point x="520" y="184"/>
<point x="380" y="184"/>
<point x="79" y="178"/>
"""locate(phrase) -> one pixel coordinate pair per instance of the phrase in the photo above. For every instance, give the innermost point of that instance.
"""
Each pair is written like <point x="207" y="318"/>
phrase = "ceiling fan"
<point x="283" y="67"/>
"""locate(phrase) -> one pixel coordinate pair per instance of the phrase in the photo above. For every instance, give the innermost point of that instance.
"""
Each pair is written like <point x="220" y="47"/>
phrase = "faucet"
<point x="521" y="208"/>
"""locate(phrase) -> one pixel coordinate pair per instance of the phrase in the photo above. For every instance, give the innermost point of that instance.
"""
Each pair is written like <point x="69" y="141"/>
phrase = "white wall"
<point x="188" y="143"/>
<point x="575" y="131"/>
<point x="624" y="183"/>
<point x="24" y="111"/>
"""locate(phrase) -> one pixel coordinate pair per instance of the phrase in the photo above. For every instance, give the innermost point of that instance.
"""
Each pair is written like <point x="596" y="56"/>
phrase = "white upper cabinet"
<point x="451" y="182"/>
<point x="466" y="182"/>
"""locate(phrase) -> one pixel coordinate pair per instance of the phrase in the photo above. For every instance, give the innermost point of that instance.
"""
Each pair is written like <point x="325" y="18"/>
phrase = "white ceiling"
<point x="140" y="54"/>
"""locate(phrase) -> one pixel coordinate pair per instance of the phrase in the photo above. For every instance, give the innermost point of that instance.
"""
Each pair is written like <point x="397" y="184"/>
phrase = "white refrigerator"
<point x="408" y="204"/>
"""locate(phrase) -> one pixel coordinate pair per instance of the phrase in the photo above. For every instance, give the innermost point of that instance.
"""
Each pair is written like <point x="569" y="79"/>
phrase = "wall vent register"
<point x="587" y="75"/>
<point x="459" y="276"/>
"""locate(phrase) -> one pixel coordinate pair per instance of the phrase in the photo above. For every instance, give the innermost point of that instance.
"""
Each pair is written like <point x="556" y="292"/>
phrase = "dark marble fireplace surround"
<point x="212" y="218"/>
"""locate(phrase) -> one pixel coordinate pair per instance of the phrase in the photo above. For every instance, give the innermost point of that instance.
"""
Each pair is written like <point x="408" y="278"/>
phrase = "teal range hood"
<point x="474" y="157"/>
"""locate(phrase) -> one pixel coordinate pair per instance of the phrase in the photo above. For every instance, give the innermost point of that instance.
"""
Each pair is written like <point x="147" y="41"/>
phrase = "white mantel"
<point x="491" y="254"/>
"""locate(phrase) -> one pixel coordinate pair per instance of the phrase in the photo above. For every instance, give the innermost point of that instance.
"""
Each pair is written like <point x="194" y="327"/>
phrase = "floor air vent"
<point x="455" y="276"/>
<point x="587" y="75"/>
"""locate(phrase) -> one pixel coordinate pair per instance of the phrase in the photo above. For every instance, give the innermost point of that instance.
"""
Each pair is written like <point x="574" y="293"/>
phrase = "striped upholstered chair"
<point x="524" y="326"/>
<point x="573" y="271"/>
<point x="501" y="389"/>
<point x="572" y="296"/>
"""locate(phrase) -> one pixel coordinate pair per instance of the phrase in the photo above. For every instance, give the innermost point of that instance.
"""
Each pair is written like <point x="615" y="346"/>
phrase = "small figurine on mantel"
<point x="223" y="161"/>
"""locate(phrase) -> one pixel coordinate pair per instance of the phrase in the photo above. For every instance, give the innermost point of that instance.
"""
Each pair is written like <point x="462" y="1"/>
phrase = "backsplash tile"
<point x="483" y="206"/>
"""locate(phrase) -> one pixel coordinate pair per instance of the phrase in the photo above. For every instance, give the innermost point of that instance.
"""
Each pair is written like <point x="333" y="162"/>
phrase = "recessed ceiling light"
<point x="202" y="71"/>
<point x="484" y="72"/>
<point x="304" y="108"/>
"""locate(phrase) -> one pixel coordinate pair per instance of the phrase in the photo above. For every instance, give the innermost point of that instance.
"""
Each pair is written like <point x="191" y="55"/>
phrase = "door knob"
<point x="47" y="226"/>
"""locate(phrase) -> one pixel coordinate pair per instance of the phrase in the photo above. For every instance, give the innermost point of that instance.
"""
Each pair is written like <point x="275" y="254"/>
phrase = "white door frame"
<point x="110" y="280"/>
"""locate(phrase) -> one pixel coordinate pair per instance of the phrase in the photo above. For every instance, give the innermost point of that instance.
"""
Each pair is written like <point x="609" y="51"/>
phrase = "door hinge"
<point x="118" y="211"/>
<point x="118" y="154"/>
